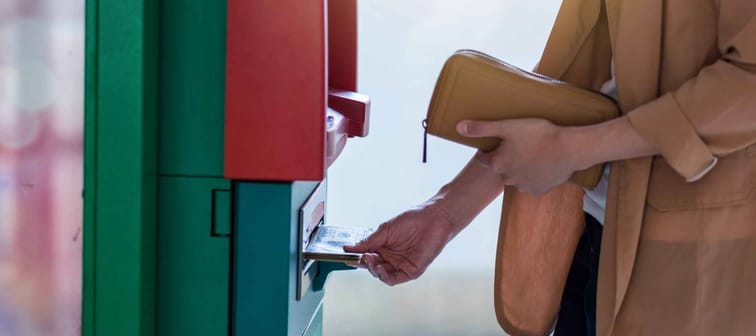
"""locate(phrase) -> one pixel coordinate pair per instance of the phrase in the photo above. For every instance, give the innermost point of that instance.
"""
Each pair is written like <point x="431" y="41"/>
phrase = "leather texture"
<point x="475" y="86"/>
<point x="538" y="238"/>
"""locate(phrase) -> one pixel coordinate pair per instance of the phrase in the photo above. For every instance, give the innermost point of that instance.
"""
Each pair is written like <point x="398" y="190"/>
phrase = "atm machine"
<point x="210" y="127"/>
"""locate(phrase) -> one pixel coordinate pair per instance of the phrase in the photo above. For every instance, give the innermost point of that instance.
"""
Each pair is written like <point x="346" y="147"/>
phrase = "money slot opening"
<point x="313" y="231"/>
<point x="311" y="216"/>
<point x="321" y="248"/>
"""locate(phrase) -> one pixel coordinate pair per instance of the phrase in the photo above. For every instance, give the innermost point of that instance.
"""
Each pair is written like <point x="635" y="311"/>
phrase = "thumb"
<point x="480" y="129"/>
<point x="370" y="244"/>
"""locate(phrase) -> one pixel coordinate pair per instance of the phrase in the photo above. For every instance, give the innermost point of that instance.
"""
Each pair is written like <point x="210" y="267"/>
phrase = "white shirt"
<point x="594" y="201"/>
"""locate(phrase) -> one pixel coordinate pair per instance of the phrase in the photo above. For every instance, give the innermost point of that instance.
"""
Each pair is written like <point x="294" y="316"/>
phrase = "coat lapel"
<point x="574" y="23"/>
<point x="636" y="34"/>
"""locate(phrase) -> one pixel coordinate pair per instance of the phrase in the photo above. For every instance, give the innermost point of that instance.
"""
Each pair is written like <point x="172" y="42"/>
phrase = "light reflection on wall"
<point x="41" y="158"/>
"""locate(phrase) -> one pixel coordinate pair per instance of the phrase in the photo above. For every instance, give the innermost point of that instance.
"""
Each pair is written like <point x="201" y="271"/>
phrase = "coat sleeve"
<point x="710" y="115"/>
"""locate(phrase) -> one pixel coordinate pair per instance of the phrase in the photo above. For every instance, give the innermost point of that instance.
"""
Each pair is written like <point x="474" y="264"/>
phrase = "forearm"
<point x="462" y="199"/>
<point x="613" y="140"/>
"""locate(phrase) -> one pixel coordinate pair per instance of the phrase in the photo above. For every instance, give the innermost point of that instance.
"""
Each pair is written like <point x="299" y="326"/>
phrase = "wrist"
<point x="461" y="200"/>
<point x="613" y="140"/>
<point x="580" y="146"/>
<point x="443" y="207"/>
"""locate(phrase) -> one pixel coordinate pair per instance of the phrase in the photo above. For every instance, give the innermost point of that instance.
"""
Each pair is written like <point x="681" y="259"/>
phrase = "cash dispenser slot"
<point x="311" y="215"/>
<point x="312" y="274"/>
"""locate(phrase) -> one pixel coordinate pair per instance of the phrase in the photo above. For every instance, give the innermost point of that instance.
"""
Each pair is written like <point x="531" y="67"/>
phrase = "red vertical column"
<point x="342" y="44"/>
<point x="276" y="68"/>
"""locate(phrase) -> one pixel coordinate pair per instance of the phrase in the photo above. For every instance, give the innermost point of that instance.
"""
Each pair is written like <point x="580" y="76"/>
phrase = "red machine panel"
<point x="287" y="60"/>
<point x="342" y="44"/>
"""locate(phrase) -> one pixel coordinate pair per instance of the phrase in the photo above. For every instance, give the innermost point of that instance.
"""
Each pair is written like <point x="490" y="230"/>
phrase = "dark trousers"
<point x="577" y="316"/>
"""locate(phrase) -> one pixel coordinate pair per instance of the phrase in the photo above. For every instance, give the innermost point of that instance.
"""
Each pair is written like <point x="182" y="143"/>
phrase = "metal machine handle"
<point x="355" y="107"/>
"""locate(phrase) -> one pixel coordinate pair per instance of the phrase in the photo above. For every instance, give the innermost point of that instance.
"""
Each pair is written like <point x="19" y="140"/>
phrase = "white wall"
<point x="403" y="44"/>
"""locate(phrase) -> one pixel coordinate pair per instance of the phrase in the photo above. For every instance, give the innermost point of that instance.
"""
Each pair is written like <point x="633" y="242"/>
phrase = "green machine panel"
<point x="120" y="168"/>
<point x="194" y="256"/>
<point x="192" y="87"/>
<point x="194" y="218"/>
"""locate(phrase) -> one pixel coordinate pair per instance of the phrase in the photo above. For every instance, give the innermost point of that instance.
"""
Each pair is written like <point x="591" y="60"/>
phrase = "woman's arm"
<point x="462" y="199"/>
<point x="402" y="248"/>
<point x="613" y="140"/>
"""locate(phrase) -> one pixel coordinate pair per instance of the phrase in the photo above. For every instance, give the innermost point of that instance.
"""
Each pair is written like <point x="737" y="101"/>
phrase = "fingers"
<point x="388" y="274"/>
<point x="371" y="262"/>
<point x="369" y="259"/>
<point x="392" y="278"/>
<point x="485" y="159"/>
<point x="375" y="241"/>
<point x="494" y="161"/>
<point x="384" y="271"/>
<point x="481" y="129"/>
<point x="355" y="264"/>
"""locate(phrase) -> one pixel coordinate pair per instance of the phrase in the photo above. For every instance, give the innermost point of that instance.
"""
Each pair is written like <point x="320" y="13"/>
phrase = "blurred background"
<point x="41" y="159"/>
<point x="403" y="45"/>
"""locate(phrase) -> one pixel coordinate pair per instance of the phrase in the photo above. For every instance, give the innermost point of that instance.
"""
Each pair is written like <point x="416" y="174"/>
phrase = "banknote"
<point x="328" y="243"/>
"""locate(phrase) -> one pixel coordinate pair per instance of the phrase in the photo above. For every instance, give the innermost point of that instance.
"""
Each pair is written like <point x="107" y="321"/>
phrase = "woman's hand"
<point x="533" y="156"/>
<point x="403" y="248"/>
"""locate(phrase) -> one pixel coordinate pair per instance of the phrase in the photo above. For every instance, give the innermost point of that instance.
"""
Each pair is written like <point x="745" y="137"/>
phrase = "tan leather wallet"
<point x="475" y="86"/>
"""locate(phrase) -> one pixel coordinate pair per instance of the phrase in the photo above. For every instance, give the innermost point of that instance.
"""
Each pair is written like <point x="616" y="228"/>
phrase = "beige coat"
<point x="679" y="245"/>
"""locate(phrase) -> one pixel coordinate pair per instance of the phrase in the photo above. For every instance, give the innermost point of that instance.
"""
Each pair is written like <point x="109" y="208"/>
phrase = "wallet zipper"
<point x="533" y="75"/>
<point x="425" y="141"/>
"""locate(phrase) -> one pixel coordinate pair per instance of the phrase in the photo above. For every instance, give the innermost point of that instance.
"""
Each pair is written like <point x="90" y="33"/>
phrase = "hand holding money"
<point x="401" y="249"/>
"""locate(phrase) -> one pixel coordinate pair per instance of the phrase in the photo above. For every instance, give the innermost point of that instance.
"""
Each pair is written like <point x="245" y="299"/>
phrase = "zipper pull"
<point x="425" y="141"/>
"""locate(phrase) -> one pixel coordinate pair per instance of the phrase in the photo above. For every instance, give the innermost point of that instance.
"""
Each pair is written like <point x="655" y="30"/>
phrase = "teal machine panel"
<point x="269" y="273"/>
<point x="266" y="245"/>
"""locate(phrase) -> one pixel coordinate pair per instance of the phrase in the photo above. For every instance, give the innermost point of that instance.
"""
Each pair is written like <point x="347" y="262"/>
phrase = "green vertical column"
<point x="194" y="227"/>
<point x="192" y="87"/>
<point x="194" y="257"/>
<point x="120" y="168"/>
